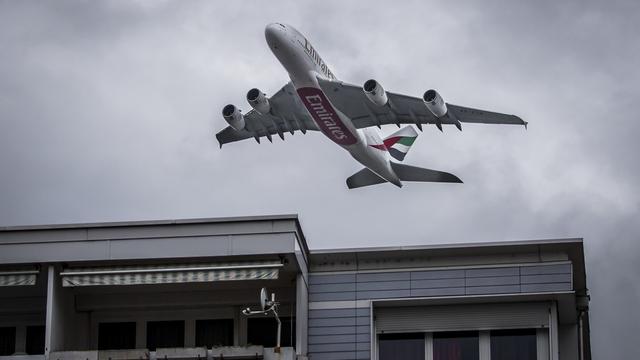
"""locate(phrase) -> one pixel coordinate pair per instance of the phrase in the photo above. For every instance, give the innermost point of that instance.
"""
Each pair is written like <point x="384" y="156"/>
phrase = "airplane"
<point x="315" y="100"/>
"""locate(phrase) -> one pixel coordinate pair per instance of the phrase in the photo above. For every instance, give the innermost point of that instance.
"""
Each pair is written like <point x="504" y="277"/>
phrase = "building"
<point x="176" y="289"/>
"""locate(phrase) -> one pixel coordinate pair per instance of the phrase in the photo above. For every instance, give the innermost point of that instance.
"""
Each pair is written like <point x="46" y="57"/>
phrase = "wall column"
<point x="302" y="315"/>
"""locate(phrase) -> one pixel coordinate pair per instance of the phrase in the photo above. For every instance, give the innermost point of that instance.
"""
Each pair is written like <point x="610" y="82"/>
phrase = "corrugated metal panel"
<point x="462" y="317"/>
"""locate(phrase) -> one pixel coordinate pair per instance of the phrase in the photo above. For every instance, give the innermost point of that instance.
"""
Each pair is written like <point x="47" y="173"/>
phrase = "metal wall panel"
<point x="333" y="336"/>
<point x="330" y="327"/>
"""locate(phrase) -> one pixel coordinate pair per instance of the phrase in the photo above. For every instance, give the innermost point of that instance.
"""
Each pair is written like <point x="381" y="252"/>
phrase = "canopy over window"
<point x="170" y="273"/>
<point x="18" y="277"/>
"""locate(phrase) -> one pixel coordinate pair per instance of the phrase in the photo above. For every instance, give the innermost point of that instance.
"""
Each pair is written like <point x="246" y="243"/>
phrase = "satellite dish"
<point x="264" y="299"/>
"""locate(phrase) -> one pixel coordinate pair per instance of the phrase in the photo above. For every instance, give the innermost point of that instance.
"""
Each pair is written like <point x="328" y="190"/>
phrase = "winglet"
<point x="525" y="124"/>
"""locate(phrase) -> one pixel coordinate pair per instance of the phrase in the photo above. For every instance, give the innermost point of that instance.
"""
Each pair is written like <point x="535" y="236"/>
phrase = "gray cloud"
<point x="108" y="110"/>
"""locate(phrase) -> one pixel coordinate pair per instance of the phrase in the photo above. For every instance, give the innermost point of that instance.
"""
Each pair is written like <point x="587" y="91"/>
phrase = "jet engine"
<point x="233" y="116"/>
<point x="258" y="101"/>
<point x="434" y="103"/>
<point x="375" y="93"/>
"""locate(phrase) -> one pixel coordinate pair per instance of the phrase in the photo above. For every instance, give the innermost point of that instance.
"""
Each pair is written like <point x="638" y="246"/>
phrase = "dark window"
<point x="214" y="332"/>
<point x="456" y="346"/>
<point x="165" y="334"/>
<point x="119" y="335"/>
<point x="401" y="346"/>
<point x="262" y="331"/>
<point x="513" y="344"/>
<point x="35" y="340"/>
<point x="7" y="340"/>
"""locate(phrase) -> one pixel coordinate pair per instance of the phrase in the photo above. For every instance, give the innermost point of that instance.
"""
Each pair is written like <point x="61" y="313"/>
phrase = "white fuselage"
<point x="304" y="66"/>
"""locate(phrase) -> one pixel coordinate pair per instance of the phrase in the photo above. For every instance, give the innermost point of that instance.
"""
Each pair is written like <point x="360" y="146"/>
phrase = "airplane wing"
<point x="402" y="109"/>
<point x="288" y="114"/>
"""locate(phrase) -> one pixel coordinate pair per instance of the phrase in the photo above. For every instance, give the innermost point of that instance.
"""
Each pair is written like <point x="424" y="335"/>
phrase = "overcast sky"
<point x="108" y="112"/>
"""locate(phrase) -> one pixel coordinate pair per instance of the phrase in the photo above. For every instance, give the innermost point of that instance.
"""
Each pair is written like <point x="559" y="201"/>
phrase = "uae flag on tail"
<point x="399" y="143"/>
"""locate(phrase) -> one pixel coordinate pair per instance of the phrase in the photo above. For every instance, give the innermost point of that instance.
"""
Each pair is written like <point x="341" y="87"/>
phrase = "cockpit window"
<point x="281" y="25"/>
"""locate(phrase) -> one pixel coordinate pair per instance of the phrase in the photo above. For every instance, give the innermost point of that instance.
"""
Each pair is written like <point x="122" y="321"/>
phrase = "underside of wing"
<point x="286" y="115"/>
<point x="401" y="109"/>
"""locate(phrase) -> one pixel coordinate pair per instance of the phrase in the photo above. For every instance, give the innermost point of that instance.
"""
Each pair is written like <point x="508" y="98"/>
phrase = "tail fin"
<point x="399" y="143"/>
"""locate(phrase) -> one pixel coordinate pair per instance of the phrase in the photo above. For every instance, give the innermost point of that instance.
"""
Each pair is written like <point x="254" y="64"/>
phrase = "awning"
<point x="170" y="274"/>
<point x="18" y="277"/>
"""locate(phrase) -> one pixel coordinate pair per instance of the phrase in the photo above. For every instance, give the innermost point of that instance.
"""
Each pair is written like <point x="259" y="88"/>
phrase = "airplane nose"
<point x="274" y="33"/>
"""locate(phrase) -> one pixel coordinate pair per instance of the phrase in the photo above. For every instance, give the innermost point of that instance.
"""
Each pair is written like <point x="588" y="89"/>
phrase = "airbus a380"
<point x="315" y="100"/>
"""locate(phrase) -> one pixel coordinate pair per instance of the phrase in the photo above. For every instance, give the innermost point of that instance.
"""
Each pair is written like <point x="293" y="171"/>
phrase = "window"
<point x="513" y="344"/>
<point x="262" y="331"/>
<point x="165" y="334"/>
<point x="214" y="332"/>
<point x="35" y="340"/>
<point x="401" y="346"/>
<point x="7" y="340"/>
<point x="456" y="346"/>
<point x="119" y="335"/>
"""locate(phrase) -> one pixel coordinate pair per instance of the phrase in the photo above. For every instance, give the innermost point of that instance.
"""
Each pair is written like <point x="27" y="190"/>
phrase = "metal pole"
<point x="277" y="349"/>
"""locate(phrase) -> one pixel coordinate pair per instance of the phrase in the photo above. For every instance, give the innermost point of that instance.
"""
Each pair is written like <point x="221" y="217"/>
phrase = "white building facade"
<point x="176" y="290"/>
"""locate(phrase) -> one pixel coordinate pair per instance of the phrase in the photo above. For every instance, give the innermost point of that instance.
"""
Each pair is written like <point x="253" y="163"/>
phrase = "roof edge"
<point x="152" y="222"/>
<point x="450" y="246"/>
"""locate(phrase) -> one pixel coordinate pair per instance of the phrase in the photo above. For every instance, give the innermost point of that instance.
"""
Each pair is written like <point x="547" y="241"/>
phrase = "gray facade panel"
<point x="321" y="288"/>
<point x="483" y="290"/>
<point x="386" y="276"/>
<point x="437" y="274"/>
<point x="362" y="312"/>
<point x="331" y="279"/>
<point x="438" y="292"/>
<point x="383" y="294"/>
<point x="364" y="329"/>
<point x="436" y="283"/>
<point x="363" y="338"/>
<point x="333" y="313"/>
<point x="318" y="348"/>
<point x="363" y="355"/>
<point x="332" y="339"/>
<point x="332" y="322"/>
<point x="502" y="271"/>
<point x="546" y="287"/>
<point x="492" y="281"/>
<point x="334" y="330"/>
<point x="546" y="279"/>
<point x="333" y="355"/>
<point x="383" y="285"/>
<point x="362" y="320"/>
<point x="546" y="269"/>
<point x="337" y="296"/>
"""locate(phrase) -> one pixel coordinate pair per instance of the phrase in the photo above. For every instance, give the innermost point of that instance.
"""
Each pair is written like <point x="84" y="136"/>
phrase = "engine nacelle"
<point x="258" y="101"/>
<point x="375" y="93"/>
<point x="434" y="103"/>
<point x="233" y="116"/>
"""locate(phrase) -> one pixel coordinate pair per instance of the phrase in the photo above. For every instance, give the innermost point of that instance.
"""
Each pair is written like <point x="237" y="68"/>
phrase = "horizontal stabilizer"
<point x="364" y="177"/>
<point x="414" y="173"/>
